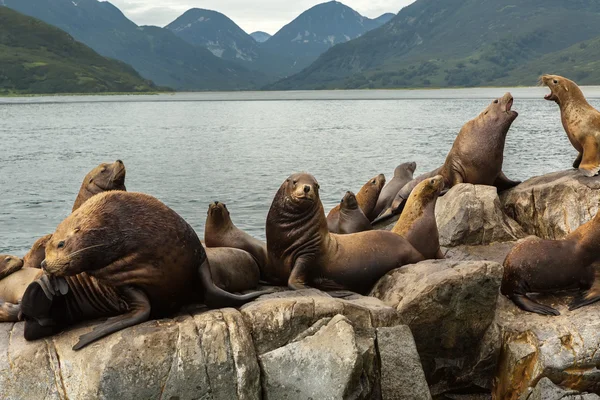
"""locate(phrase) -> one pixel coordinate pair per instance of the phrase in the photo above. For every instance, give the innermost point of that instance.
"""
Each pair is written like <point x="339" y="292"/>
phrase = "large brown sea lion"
<point x="303" y="252"/>
<point x="540" y="266"/>
<point x="476" y="156"/>
<point x="146" y="260"/>
<point x="417" y="222"/>
<point x="402" y="175"/>
<point x="352" y="219"/>
<point x="367" y="200"/>
<point x="220" y="231"/>
<point x="233" y="270"/>
<point x="580" y="120"/>
<point x="101" y="179"/>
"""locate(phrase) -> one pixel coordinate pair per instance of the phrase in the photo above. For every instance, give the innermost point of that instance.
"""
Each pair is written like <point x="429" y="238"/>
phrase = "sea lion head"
<point x="10" y="263"/>
<point x="349" y="202"/>
<point x="106" y="177"/>
<point x="406" y="168"/>
<point x="301" y="190"/>
<point x="37" y="253"/>
<point x="218" y="214"/>
<point x="430" y="188"/>
<point x="375" y="184"/>
<point x="500" y="112"/>
<point x="560" y="87"/>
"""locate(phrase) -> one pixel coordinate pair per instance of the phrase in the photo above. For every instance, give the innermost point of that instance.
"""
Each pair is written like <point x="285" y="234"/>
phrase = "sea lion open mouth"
<point x="509" y="105"/>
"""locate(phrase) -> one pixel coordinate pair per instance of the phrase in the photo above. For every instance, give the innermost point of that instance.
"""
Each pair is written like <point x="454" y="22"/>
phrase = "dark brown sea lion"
<point x="303" y="252"/>
<point x="37" y="253"/>
<point x="352" y="219"/>
<point x="101" y="179"/>
<point x="220" y="231"/>
<point x="539" y="266"/>
<point x="9" y="264"/>
<point x="233" y="270"/>
<point x="417" y="222"/>
<point x="402" y="175"/>
<point x="476" y="156"/>
<point x="146" y="260"/>
<point x="367" y="200"/>
<point x="580" y="120"/>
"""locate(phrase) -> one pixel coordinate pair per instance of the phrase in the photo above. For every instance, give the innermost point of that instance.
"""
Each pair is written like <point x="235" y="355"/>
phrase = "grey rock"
<point x="554" y="205"/>
<point x="473" y="215"/>
<point x="326" y="365"/>
<point x="496" y="252"/>
<point x="449" y="307"/>
<point x="547" y="390"/>
<point x="402" y="375"/>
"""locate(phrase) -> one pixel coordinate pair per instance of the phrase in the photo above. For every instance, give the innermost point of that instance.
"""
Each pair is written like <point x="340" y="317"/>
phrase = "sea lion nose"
<point x="43" y="264"/>
<point x="216" y="203"/>
<point x="119" y="162"/>
<point x="306" y="188"/>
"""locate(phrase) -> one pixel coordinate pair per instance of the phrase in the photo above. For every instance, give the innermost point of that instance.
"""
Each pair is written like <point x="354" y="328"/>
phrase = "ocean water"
<point x="190" y="149"/>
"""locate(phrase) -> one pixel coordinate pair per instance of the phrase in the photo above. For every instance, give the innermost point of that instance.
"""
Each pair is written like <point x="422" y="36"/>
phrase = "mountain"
<point x="383" y="19"/>
<point x="315" y="31"/>
<point x="226" y="40"/>
<point x="156" y="53"/>
<point x="260" y="36"/>
<point x="453" y="43"/>
<point x="39" y="58"/>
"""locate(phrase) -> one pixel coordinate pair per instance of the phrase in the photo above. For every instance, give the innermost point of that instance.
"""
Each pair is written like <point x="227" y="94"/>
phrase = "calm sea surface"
<point x="191" y="149"/>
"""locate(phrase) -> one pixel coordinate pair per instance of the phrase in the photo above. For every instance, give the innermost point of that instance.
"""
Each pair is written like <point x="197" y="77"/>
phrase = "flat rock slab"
<point x="554" y="205"/>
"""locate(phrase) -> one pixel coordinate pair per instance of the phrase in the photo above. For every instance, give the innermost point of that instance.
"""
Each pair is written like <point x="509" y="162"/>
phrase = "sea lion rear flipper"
<point x="503" y="183"/>
<point x="139" y="311"/>
<point x="577" y="161"/>
<point x="585" y="299"/>
<point x="590" y="163"/>
<point x="525" y="303"/>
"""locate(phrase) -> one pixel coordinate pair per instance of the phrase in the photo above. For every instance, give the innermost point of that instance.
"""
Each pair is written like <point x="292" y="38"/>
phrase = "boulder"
<point x="449" y="307"/>
<point x="473" y="215"/>
<point x="554" y="205"/>
<point x="324" y="364"/>
<point x="496" y="252"/>
<point x="546" y="390"/>
<point x="563" y="349"/>
<point x="402" y="375"/>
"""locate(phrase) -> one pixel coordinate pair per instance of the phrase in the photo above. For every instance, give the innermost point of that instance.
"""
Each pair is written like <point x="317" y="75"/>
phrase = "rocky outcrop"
<point x="448" y="306"/>
<point x="563" y="348"/>
<point x="546" y="390"/>
<point x="496" y="252"/>
<point x="472" y="215"/>
<point x="552" y="206"/>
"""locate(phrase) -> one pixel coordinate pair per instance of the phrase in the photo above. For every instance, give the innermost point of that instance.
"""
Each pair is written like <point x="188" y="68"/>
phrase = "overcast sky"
<point x="250" y="15"/>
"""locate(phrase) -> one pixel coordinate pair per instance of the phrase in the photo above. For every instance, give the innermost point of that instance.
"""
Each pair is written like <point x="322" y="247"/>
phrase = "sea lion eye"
<point x="555" y="81"/>
<point x="373" y="182"/>
<point x="7" y="259"/>
<point x="496" y="101"/>
<point x="103" y="169"/>
<point x="60" y="245"/>
<point x="294" y="182"/>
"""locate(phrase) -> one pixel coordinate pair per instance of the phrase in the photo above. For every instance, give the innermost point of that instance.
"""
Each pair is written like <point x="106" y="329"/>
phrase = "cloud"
<point x="264" y="15"/>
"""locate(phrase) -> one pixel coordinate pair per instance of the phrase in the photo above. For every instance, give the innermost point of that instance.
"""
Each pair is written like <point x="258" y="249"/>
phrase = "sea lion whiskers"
<point x="87" y="248"/>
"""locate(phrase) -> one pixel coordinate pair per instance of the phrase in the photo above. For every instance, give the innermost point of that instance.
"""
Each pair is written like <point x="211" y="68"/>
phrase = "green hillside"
<point x="39" y="58"/>
<point x="443" y="43"/>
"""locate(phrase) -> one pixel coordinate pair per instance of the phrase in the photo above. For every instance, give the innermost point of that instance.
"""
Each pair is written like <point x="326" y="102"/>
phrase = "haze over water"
<point x="190" y="149"/>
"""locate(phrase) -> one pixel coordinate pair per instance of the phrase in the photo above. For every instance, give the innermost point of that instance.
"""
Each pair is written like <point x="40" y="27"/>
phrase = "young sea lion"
<point x="101" y="179"/>
<point x="352" y="219"/>
<point x="303" y="252"/>
<point x="402" y="175"/>
<point x="37" y="253"/>
<point x="580" y="120"/>
<point x="9" y="264"/>
<point x="367" y="200"/>
<point x="476" y="156"/>
<point x="233" y="270"/>
<point x="417" y="222"/>
<point x="14" y="279"/>
<point x="146" y="259"/>
<point x="220" y="231"/>
<point x="540" y="266"/>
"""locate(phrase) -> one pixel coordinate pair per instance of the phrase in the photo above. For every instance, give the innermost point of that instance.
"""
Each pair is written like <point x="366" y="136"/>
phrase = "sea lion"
<point x="220" y="231"/>
<point x="303" y="252"/>
<point x="233" y="270"/>
<point x="145" y="258"/>
<point x="9" y="264"/>
<point x="417" y="222"/>
<point x="476" y="156"/>
<point x="402" y="175"/>
<point x="352" y="219"/>
<point x="37" y="253"/>
<point x="367" y="200"/>
<point x="101" y="179"/>
<point x="535" y="265"/>
<point x="580" y="120"/>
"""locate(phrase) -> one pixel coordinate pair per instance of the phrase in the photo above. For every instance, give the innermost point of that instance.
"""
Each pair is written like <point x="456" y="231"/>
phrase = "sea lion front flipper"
<point x="577" y="161"/>
<point x="440" y="255"/>
<point x="590" y="163"/>
<point x="525" y="303"/>
<point x="503" y="183"/>
<point x="9" y="312"/>
<point x="297" y="279"/>
<point x="139" y="311"/>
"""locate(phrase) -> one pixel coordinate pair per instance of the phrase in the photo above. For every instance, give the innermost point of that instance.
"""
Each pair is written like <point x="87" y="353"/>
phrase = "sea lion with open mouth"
<point x="580" y="120"/>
